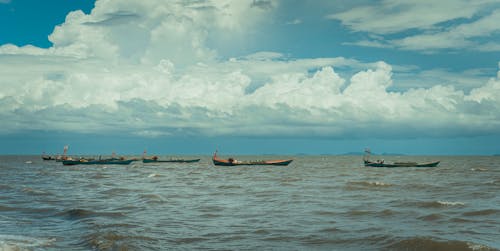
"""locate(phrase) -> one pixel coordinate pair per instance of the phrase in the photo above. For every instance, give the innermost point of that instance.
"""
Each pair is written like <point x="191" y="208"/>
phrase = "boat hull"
<point x="401" y="164"/>
<point x="171" y="161"/>
<point x="96" y="162"/>
<point x="221" y="162"/>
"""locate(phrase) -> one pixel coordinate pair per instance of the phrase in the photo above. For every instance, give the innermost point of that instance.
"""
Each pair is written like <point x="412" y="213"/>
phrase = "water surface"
<point x="316" y="203"/>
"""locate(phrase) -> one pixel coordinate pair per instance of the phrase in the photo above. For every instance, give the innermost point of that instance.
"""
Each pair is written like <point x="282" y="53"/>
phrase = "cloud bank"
<point x="146" y="68"/>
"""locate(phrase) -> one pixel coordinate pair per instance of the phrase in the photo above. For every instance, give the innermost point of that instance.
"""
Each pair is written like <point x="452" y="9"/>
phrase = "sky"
<point x="250" y="76"/>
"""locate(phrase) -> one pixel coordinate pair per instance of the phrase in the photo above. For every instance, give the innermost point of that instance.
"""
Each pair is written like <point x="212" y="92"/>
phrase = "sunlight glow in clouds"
<point x="144" y="67"/>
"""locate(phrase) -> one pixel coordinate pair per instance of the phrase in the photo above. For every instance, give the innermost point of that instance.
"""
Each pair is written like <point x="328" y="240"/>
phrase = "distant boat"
<point x="382" y="163"/>
<point x="233" y="162"/>
<point x="170" y="160"/>
<point x="48" y="157"/>
<point x="97" y="162"/>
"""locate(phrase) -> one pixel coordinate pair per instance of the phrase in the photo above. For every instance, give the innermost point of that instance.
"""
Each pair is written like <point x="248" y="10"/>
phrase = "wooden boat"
<point x="170" y="160"/>
<point x="382" y="163"/>
<point x="48" y="157"/>
<point x="97" y="162"/>
<point x="233" y="162"/>
<point x="401" y="164"/>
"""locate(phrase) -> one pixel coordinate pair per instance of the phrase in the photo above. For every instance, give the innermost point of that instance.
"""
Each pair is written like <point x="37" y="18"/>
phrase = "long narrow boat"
<point x="97" y="162"/>
<point x="400" y="164"/>
<point x="382" y="163"/>
<point x="170" y="161"/>
<point x="233" y="162"/>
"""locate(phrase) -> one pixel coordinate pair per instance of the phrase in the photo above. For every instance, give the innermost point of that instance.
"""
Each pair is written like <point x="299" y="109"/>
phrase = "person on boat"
<point x="380" y="161"/>
<point x="233" y="161"/>
<point x="155" y="158"/>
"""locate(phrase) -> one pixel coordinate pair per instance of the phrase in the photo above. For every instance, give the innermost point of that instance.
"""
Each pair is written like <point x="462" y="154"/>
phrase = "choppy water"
<point x="316" y="203"/>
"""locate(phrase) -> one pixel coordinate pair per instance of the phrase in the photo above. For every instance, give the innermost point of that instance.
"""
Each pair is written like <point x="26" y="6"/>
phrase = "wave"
<point x="482" y="212"/>
<point x="425" y="243"/>
<point x="451" y="203"/>
<point x="229" y="187"/>
<point x="5" y="186"/>
<point x="439" y="203"/>
<point x="76" y="214"/>
<point x="112" y="240"/>
<point x="367" y="184"/>
<point x="431" y="217"/>
<point x="152" y="198"/>
<point x="19" y="242"/>
<point x="34" y="210"/>
<point x="479" y="169"/>
<point x="32" y="191"/>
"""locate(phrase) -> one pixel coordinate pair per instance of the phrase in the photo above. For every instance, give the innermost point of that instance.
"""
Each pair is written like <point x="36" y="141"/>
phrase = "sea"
<point x="315" y="203"/>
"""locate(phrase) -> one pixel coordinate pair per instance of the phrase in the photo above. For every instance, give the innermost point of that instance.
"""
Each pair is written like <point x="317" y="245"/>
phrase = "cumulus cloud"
<point x="145" y="68"/>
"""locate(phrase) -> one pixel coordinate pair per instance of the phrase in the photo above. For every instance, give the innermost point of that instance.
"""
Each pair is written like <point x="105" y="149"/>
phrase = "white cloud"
<point x="391" y="16"/>
<point x="295" y="22"/>
<point x="161" y="78"/>
<point x="425" y="25"/>
<point x="457" y="37"/>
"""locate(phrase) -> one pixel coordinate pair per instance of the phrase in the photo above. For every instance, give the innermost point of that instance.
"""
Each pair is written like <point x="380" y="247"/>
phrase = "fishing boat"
<point x="153" y="160"/>
<point x="382" y="163"/>
<point x="401" y="164"/>
<point x="60" y="158"/>
<point x="233" y="162"/>
<point x="47" y="157"/>
<point x="97" y="162"/>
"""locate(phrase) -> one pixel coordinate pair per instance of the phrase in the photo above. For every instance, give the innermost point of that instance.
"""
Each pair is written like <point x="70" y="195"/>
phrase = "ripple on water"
<point x="37" y="192"/>
<point x="366" y="185"/>
<point x="430" y="217"/>
<point x="112" y="240"/>
<point x="426" y="243"/>
<point x="152" y="198"/>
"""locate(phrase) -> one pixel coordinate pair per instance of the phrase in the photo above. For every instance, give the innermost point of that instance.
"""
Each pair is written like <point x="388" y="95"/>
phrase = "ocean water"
<point x="315" y="203"/>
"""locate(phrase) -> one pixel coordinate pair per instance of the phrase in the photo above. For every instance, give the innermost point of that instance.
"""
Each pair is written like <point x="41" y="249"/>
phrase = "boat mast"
<point x="366" y="157"/>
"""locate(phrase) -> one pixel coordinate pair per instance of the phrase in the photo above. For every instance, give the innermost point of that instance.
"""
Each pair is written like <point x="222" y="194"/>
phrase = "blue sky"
<point x="250" y="77"/>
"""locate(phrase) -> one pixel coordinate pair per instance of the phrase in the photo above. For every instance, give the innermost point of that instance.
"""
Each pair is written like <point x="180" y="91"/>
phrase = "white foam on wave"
<point x="153" y="175"/>
<point x="479" y="169"/>
<point x="379" y="183"/>
<point x="478" y="247"/>
<point x="451" y="203"/>
<point x="19" y="242"/>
